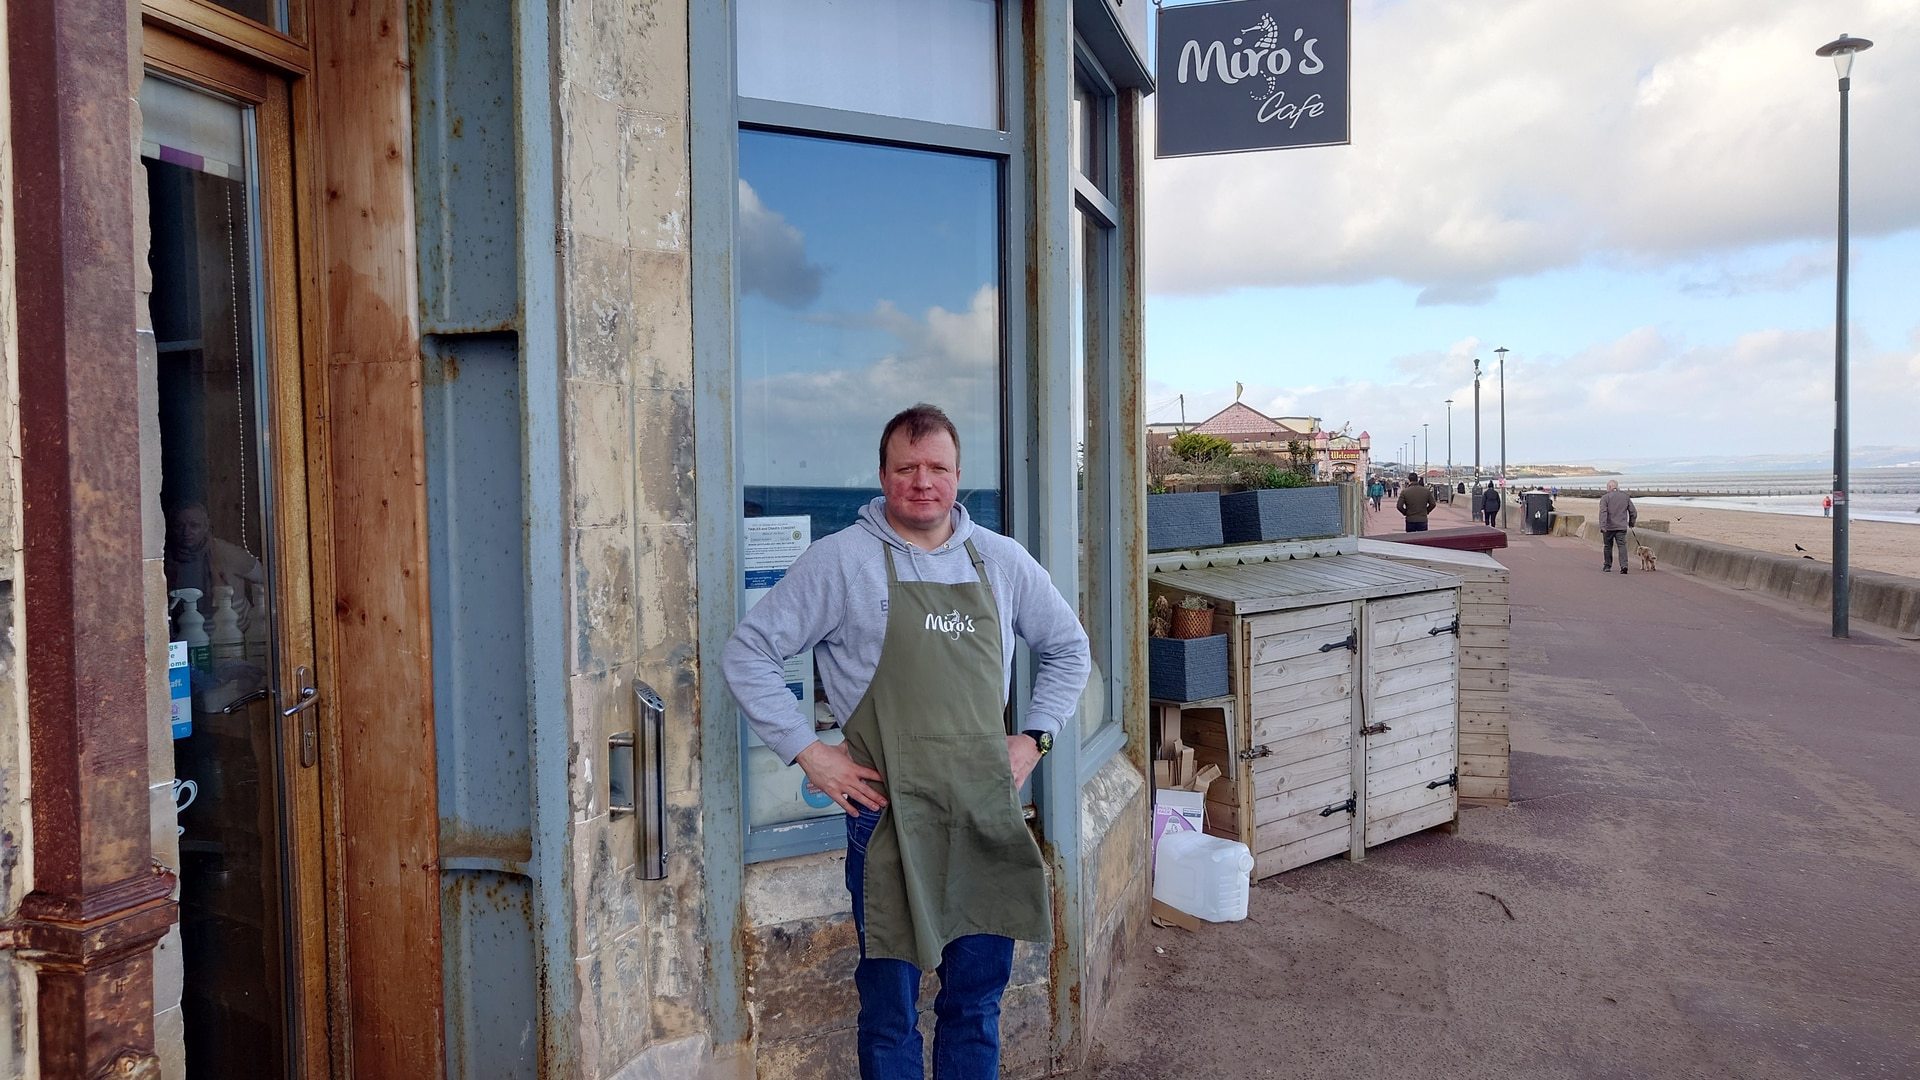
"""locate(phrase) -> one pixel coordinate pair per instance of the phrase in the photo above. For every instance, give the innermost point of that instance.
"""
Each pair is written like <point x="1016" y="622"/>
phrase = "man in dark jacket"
<point x="1416" y="502"/>
<point x="1617" y="515"/>
<point x="1490" y="503"/>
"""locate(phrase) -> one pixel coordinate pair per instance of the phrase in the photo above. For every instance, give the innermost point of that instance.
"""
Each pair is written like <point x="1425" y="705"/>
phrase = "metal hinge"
<point x="1351" y="806"/>
<point x="1451" y="628"/>
<point x="1375" y="728"/>
<point x="1452" y="781"/>
<point x="1256" y="752"/>
<point x="1352" y="644"/>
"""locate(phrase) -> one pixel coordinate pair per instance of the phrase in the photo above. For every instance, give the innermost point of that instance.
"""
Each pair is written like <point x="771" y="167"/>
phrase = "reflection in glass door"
<point x="202" y="163"/>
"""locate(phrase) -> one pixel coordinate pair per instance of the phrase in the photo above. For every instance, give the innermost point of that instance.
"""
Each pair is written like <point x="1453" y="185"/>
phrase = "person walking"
<point x="1416" y="502"/>
<point x="912" y="613"/>
<point x="1376" y="491"/>
<point x="1490" y="503"/>
<point x="1826" y="506"/>
<point x="1617" y="515"/>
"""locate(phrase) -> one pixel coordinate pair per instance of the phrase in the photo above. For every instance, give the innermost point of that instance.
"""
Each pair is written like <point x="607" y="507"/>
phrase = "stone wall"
<point x="16" y="979"/>
<point x="625" y="293"/>
<point x="1114" y="813"/>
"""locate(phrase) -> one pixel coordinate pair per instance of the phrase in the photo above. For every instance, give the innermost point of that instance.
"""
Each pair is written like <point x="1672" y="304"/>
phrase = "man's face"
<point x="920" y="478"/>
<point x="187" y="528"/>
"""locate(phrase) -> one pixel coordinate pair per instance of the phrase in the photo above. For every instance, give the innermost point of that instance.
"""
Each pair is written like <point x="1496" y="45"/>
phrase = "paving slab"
<point x="1711" y="869"/>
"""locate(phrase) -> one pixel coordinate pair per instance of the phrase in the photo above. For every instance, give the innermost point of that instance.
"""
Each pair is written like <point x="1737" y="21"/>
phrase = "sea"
<point x="833" y="509"/>
<point x="1885" y="493"/>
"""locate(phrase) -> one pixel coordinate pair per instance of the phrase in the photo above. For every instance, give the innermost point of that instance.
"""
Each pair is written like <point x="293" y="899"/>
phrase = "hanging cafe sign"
<point x="1251" y="75"/>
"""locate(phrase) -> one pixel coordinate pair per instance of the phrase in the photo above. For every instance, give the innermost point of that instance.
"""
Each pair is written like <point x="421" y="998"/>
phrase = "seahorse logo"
<point x="952" y="624"/>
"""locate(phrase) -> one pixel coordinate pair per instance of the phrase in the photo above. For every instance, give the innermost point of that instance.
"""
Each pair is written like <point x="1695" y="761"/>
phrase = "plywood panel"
<point x="1319" y="743"/>
<point x="1485" y="614"/>
<point x="1494" y="679"/>
<point x="1484" y="636"/>
<point x="1274" y="730"/>
<point x="1396" y="608"/>
<point x="1286" y="622"/>
<point x="1275" y="704"/>
<point x="1486" y="658"/>
<point x="1483" y="789"/>
<point x="1307" y="799"/>
<point x="1405" y="823"/>
<point x="1473" y="743"/>
<point x="1299" y="853"/>
<point x="1304" y="774"/>
<point x="383" y="698"/>
<point x="1421" y="650"/>
<point x="1293" y="829"/>
<point x="1384" y="783"/>
<point x="1299" y="670"/>
<point x="1439" y="740"/>
<point x="1435" y="676"/>
<point x="1485" y="766"/>
<point x="1311" y="641"/>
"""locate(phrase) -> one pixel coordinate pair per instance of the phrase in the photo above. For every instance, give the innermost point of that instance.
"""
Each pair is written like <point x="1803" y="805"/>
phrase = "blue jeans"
<point x="973" y="974"/>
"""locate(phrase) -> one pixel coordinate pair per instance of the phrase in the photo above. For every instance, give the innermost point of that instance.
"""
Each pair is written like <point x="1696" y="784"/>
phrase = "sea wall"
<point x="1886" y="600"/>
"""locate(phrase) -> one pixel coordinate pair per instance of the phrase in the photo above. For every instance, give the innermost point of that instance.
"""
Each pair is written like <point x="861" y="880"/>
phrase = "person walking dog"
<point x="1416" y="502"/>
<point x="912" y="613"/>
<point x="1617" y="515"/>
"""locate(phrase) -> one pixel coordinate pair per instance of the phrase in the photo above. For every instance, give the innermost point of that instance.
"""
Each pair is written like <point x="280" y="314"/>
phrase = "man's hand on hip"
<point x="1022" y="755"/>
<point x="833" y="770"/>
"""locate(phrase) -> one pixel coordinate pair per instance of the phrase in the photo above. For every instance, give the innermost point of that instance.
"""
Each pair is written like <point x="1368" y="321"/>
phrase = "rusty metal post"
<point x="99" y="904"/>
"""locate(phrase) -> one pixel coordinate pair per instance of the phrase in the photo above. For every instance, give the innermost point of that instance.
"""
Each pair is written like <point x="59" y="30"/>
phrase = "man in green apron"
<point x="912" y="614"/>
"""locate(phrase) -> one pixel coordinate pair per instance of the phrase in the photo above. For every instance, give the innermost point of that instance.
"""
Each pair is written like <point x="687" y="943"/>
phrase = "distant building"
<point x="1335" y="455"/>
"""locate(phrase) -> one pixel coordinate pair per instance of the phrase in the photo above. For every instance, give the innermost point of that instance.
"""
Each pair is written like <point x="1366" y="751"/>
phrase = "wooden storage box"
<point x="1485" y="619"/>
<point x="1345" y="682"/>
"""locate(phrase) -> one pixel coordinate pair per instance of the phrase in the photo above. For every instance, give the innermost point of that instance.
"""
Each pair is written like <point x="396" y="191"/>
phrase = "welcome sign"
<point x="1251" y="75"/>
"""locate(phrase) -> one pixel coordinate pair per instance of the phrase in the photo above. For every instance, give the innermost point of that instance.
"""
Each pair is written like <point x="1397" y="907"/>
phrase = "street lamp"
<point x="1449" y="440"/>
<point x="1502" y="351"/>
<point x="1426" y="457"/>
<point x="1842" y="50"/>
<point x="1476" y="418"/>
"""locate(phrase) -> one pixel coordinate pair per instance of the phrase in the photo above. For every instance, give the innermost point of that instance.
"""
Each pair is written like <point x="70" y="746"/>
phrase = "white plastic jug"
<point x="1204" y="876"/>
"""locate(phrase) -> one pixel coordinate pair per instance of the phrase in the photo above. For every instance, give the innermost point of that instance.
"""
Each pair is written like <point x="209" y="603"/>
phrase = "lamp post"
<point x="1841" y="50"/>
<point x="1502" y="352"/>
<point x="1449" y="440"/>
<point x="1476" y="418"/>
<point x="1426" y="455"/>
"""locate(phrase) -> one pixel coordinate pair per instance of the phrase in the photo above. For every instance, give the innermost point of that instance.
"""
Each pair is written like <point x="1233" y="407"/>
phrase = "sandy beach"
<point x="1886" y="546"/>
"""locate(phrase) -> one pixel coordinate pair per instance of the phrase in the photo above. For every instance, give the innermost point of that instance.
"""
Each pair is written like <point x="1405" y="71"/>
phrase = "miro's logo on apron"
<point x="952" y="624"/>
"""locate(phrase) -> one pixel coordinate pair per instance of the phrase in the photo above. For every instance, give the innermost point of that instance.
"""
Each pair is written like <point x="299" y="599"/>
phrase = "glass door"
<point x="215" y="149"/>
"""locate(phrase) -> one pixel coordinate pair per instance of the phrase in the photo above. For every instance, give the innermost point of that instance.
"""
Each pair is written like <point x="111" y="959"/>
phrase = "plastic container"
<point x="1207" y="877"/>
<point x="227" y="641"/>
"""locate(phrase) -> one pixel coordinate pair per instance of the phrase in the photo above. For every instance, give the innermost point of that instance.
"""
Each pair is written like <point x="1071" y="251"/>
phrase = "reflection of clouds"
<point x="773" y="255"/>
<point x="822" y="427"/>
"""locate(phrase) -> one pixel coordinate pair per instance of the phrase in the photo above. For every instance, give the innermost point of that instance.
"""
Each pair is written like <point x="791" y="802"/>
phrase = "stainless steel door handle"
<point x="308" y="697"/>
<point x="240" y="703"/>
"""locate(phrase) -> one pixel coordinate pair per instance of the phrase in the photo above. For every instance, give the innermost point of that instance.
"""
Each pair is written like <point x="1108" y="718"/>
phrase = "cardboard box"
<point x="1177" y="811"/>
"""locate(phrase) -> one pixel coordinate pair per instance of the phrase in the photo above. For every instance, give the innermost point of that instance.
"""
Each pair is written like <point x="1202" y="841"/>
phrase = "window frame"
<point x="1094" y="204"/>
<point x="1007" y="146"/>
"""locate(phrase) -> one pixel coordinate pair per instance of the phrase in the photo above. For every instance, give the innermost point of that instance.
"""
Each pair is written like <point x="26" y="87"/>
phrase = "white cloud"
<point x="772" y="255"/>
<point x="949" y="358"/>
<point x="1496" y="140"/>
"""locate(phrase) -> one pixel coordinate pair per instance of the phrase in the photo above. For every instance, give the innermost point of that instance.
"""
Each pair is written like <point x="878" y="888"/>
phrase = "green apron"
<point x="952" y="854"/>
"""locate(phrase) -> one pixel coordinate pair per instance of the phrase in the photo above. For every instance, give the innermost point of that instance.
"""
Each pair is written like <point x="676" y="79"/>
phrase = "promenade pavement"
<point x="1711" y="868"/>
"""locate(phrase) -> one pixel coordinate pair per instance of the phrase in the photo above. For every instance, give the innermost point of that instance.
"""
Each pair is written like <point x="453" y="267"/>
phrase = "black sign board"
<point x="1251" y="75"/>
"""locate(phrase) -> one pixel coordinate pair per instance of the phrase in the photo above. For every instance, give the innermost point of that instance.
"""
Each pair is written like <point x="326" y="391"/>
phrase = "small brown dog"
<point x="1646" y="558"/>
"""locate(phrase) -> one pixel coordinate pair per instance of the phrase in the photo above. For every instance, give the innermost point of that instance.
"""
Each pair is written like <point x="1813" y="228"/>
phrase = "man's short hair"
<point x="1413" y="478"/>
<point x="920" y="421"/>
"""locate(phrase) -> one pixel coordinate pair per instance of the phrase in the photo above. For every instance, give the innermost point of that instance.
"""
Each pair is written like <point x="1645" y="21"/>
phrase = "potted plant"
<point x="1185" y="660"/>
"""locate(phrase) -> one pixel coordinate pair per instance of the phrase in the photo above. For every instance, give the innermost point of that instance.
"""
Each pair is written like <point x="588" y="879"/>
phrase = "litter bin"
<point x="1539" y="511"/>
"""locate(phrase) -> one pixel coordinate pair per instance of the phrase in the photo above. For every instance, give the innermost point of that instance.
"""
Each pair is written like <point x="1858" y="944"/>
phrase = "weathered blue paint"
<point x="714" y="146"/>
<point x="486" y="213"/>
<point x="463" y="90"/>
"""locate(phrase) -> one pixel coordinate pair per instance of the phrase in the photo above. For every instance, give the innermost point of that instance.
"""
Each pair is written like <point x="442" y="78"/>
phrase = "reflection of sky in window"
<point x="869" y="280"/>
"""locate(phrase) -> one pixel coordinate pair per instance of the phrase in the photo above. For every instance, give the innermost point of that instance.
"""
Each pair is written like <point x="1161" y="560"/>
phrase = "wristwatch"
<point x="1041" y="739"/>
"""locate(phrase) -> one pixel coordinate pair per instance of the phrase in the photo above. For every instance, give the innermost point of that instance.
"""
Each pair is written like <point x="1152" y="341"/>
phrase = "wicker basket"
<point x="1190" y="623"/>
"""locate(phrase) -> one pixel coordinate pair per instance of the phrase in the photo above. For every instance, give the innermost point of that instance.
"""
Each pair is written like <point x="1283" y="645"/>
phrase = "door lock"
<point x="305" y="698"/>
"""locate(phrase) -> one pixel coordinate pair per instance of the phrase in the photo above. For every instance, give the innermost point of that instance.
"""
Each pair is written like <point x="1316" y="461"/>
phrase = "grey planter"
<point x="1183" y="520"/>
<point x="1193" y="669"/>
<point x="1280" y="514"/>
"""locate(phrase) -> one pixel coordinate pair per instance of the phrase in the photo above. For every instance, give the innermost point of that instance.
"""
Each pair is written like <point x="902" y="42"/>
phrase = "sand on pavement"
<point x="1887" y="546"/>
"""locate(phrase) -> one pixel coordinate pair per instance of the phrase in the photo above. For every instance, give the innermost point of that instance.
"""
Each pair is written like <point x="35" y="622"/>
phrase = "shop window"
<point x="265" y="12"/>
<point x="869" y="280"/>
<point x="935" y="60"/>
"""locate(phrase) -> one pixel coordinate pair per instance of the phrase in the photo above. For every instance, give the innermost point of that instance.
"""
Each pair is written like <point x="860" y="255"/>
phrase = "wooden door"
<point x="1300" y="678"/>
<point x="217" y="161"/>
<point x="1410" y="732"/>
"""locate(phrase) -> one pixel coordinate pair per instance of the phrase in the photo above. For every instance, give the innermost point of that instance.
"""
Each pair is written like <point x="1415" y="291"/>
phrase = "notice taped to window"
<point x="769" y="548"/>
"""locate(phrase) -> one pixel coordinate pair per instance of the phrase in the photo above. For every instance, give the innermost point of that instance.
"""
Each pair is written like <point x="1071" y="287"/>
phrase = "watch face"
<point x="1046" y="743"/>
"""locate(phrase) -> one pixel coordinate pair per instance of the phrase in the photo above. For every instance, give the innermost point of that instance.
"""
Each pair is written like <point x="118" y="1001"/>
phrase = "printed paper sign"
<point x="769" y="548"/>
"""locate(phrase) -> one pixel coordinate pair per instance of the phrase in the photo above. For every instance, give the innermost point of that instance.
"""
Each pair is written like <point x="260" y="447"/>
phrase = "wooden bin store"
<point x="1345" y="679"/>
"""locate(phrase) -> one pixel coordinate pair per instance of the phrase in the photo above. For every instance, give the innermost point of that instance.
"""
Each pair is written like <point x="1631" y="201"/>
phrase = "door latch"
<point x="1256" y="752"/>
<point x="1451" y="628"/>
<point x="1377" y="728"/>
<point x="1452" y="781"/>
<point x="1351" y="644"/>
<point x="305" y="698"/>
<point x="1351" y="806"/>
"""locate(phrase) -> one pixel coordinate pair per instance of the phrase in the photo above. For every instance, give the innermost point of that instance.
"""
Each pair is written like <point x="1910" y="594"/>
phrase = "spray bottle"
<point x="193" y="630"/>
<point x="227" y="640"/>
<point x="257" y="619"/>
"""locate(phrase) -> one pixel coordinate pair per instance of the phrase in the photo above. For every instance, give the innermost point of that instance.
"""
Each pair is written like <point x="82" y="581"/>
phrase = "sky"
<point x="1636" y="197"/>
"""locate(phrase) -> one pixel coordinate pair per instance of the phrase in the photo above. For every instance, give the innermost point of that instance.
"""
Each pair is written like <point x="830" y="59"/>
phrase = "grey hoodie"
<point x="834" y="601"/>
